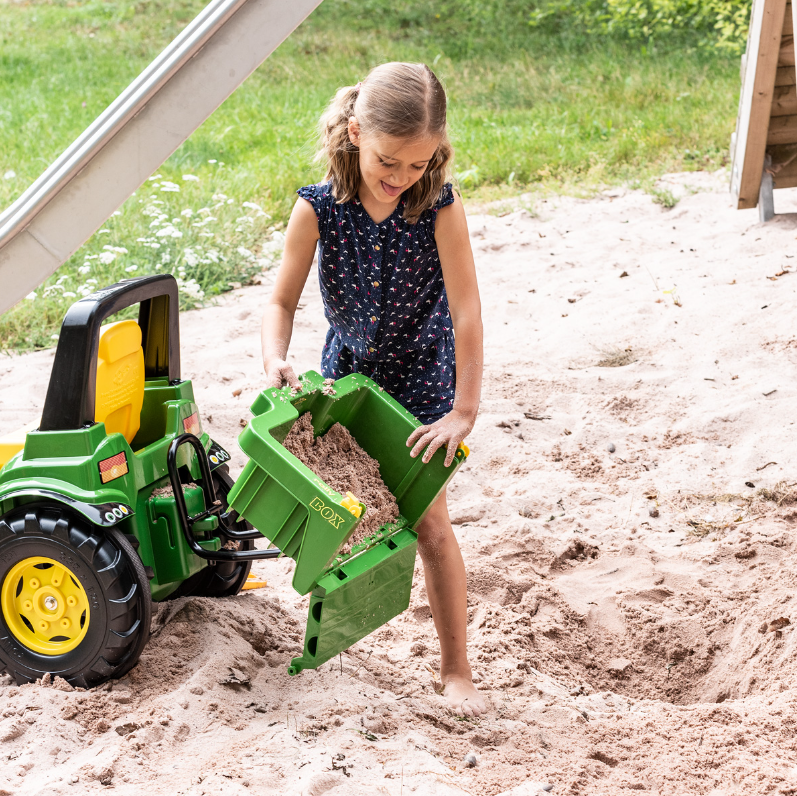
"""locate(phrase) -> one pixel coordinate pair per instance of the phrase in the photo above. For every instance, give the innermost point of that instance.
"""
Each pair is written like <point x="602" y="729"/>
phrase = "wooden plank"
<point x="782" y="130"/>
<point x="787" y="177"/>
<point x="785" y="76"/>
<point x="786" y="54"/>
<point x="788" y="21"/>
<point x="784" y="101"/>
<point x="763" y="48"/>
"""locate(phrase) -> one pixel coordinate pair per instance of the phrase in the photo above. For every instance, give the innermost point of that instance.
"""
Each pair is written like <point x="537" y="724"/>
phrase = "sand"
<point x="342" y="464"/>
<point x="620" y="650"/>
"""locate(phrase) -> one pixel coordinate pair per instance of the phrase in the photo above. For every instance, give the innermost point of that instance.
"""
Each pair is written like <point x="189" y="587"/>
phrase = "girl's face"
<point x="389" y="165"/>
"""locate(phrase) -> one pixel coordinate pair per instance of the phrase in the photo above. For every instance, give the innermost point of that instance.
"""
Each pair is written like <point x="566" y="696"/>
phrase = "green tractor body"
<point x="95" y="526"/>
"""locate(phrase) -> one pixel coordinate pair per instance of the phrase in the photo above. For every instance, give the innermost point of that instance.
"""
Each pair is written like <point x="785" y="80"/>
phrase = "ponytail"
<point x="336" y="149"/>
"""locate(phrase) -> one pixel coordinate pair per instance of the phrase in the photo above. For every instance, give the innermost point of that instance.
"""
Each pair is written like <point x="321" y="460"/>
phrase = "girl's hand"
<point x="279" y="373"/>
<point x="449" y="431"/>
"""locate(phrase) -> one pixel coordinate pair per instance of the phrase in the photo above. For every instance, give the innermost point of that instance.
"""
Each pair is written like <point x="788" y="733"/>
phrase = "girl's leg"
<point x="446" y="587"/>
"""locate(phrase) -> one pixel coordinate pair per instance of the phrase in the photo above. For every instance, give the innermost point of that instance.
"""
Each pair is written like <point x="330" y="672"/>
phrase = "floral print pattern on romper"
<point x="384" y="298"/>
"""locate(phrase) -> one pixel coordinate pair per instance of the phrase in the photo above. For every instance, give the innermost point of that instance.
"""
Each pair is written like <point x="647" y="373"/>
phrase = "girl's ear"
<point x="354" y="131"/>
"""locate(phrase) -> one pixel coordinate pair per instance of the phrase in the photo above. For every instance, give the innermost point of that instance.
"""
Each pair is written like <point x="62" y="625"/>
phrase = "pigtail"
<point x="336" y="149"/>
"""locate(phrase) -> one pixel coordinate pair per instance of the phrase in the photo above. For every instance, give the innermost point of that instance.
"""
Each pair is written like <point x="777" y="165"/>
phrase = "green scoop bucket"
<point x="350" y="595"/>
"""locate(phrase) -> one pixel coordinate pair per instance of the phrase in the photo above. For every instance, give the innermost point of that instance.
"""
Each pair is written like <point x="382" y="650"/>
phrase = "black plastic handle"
<point x="71" y="394"/>
<point x="215" y="508"/>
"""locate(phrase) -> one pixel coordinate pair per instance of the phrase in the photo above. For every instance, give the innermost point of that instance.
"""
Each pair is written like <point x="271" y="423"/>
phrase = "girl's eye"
<point x="382" y="163"/>
<point x="419" y="168"/>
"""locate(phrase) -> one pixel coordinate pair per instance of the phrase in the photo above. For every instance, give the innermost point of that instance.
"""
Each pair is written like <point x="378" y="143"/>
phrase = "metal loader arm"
<point x="116" y="154"/>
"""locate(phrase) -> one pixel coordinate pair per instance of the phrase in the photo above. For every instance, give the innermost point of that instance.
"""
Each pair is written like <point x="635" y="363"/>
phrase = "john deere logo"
<point x="327" y="512"/>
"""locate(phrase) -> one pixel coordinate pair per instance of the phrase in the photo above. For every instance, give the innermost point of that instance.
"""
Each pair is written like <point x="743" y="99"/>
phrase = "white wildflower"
<point x="213" y="161"/>
<point x="69" y="294"/>
<point x="166" y="258"/>
<point x="53" y="336"/>
<point x="84" y="269"/>
<point x="103" y="231"/>
<point x="191" y="258"/>
<point x="9" y="175"/>
<point x="244" y="252"/>
<point x="251" y="205"/>
<point x="131" y="268"/>
<point x="169" y="231"/>
<point x="212" y="255"/>
<point x="191" y="288"/>
<point x="116" y="213"/>
<point x="106" y="258"/>
<point x="154" y="177"/>
<point x="170" y="187"/>
<point x="117" y="249"/>
<point x="90" y="257"/>
<point x="190" y="178"/>
<point x="207" y="235"/>
<point x="31" y="296"/>
<point x="219" y="197"/>
<point x="187" y="213"/>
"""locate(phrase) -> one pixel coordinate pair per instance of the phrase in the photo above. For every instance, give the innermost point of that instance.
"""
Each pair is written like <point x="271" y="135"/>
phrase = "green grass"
<point x="528" y="110"/>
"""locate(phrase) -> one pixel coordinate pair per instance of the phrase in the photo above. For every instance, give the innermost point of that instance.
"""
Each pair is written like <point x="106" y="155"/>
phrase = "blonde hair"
<point x="396" y="99"/>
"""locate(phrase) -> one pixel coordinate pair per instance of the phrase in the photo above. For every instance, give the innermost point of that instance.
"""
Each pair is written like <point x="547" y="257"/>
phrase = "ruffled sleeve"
<point x="446" y="197"/>
<point x="321" y="198"/>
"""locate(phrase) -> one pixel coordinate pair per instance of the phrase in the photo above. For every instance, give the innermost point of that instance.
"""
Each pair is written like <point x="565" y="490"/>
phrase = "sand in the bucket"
<point x="337" y="459"/>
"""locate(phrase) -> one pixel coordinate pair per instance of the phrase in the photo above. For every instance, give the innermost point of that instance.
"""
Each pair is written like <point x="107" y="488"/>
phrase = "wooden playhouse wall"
<point x="767" y="120"/>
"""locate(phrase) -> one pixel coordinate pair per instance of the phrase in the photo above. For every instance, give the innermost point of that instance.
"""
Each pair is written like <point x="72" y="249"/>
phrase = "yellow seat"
<point x="120" y="379"/>
<point x="120" y="387"/>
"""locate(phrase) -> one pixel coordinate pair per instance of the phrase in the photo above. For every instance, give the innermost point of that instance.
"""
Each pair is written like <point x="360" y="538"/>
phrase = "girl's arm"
<point x="297" y="259"/>
<point x="459" y="275"/>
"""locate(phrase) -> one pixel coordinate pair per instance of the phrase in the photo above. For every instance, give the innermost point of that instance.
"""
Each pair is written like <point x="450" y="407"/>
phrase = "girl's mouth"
<point x="390" y="190"/>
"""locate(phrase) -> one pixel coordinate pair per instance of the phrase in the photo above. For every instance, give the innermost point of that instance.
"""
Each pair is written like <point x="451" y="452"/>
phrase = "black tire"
<point x="113" y="578"/>
<point x="225" y="578"/>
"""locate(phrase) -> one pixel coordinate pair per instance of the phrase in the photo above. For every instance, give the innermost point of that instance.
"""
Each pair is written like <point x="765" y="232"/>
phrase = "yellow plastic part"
<point x="44" y="606"/>
<point x="464" y="448"/>
<point x="120" y="379"/>
<point x="352" y="504"/>
<point x="253" y="582"/>
<point x="11" y="444"/>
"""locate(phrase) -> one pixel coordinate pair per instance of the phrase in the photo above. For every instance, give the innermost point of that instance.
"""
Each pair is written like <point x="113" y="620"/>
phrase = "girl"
<point x="400" y="294"/>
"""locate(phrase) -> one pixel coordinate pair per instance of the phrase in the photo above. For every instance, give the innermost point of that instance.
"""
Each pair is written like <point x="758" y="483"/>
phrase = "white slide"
<point x="130" y="140"/>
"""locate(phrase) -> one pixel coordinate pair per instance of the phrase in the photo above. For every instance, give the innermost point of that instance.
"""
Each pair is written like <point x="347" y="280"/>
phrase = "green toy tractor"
<point x="119" y="498"/>
<point x="87" y="539"/>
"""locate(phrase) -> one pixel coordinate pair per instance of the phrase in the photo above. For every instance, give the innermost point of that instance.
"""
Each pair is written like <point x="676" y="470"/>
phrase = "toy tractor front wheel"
<point x="74" y="598"/>
<point x="224" y="578"/>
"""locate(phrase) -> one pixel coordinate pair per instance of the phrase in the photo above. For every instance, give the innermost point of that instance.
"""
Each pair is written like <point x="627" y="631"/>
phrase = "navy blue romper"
<point x="384" y="298"/>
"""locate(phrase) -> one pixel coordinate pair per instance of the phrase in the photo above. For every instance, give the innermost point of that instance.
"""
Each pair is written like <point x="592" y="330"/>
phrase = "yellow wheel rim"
<point x="45" y="606"/>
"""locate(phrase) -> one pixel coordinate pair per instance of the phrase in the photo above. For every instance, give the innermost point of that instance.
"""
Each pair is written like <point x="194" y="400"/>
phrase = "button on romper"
<point x="384" y="298"/>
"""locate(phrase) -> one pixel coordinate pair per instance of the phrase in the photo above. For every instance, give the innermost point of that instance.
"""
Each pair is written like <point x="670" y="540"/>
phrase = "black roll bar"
<point x="72" y="390"/>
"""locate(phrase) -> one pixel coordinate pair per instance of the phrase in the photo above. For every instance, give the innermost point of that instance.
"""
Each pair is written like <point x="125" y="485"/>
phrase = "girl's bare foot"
<point x="463" y="697"/>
